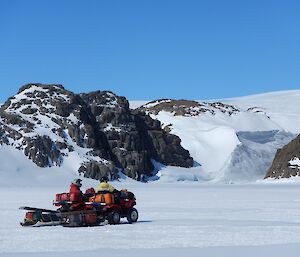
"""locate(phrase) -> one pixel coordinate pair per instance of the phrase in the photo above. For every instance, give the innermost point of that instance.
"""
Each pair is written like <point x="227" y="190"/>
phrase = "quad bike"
<point x="96" y="209"/>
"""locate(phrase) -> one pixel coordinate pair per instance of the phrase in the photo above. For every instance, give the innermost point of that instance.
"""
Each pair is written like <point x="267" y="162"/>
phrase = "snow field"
<point x="280" y="106"/>
<point x="174" y="217"/>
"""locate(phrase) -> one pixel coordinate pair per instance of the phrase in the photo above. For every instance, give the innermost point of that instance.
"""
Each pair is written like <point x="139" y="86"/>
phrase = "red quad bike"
<point x="96" y="209"/>
<point x="115" y="206"/>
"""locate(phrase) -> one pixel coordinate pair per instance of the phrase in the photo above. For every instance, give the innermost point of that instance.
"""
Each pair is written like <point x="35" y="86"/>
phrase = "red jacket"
<point x="76" y="195"/>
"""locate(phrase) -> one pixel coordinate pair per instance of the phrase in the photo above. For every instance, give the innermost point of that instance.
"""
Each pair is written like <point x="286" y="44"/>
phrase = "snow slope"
<point x="17" y="170"/>
<point x="282" y="107"/>
<point x="239" y="146"/>
<point x="251" y="158"/>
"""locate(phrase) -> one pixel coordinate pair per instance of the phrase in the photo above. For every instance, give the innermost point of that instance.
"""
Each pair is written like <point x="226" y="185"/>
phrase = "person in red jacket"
<point x="76" y="196"/>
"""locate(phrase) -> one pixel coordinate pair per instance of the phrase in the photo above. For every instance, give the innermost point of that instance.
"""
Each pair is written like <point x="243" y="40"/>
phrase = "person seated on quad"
<point x="105" y="187"/>
<point x="76" y="196"/>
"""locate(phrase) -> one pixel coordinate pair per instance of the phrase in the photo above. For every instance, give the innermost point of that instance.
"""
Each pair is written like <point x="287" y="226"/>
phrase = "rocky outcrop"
<point x="287" y="161"/>
<point x="187" y="108"/>
<point x="134" y="139"/>
<point x="50" y="123"/>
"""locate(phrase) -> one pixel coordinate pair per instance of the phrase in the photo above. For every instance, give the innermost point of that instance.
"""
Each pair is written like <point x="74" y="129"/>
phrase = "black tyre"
<point x="113" y="218"/>
<point x="132" y="215"/>
<point x="73" y="220"/>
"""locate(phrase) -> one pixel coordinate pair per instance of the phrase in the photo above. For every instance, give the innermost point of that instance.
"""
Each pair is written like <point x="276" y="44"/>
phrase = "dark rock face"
<point x="49" y="123"/>
<point x="131" y="136"/>
<point x="43" y="151"/>
<point x="287" y="161"/>
<point x="165" y="147"/>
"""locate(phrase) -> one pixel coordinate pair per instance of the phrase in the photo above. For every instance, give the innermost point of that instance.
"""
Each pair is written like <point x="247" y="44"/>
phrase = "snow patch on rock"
<point x="294" y="163"/>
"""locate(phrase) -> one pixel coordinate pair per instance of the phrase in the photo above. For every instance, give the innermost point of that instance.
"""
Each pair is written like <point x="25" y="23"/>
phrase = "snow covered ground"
<point x="176" y="219"/>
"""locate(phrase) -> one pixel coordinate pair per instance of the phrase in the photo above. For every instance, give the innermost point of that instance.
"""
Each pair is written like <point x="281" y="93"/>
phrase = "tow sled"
<point x="98" y="209"/>
<point x="37" y="217"/>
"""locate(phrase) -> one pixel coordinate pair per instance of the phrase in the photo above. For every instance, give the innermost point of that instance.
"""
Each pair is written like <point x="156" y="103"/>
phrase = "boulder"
<point x="285" y="163"/>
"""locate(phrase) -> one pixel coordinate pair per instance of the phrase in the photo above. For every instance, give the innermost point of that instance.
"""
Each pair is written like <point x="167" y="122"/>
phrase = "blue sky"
<point x="151" y="49"/>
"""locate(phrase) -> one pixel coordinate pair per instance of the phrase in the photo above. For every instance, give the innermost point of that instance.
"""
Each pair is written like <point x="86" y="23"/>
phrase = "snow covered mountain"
<point x="48" y="132"/>
<point x="95" y="134"/>
<point x="282" y="108"/>
<point x="232" y="139"/>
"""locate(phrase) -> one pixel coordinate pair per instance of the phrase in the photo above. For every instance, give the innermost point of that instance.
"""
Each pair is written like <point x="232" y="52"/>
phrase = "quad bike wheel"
<point x="113" y="218"/>
<point x="132" y="215"/>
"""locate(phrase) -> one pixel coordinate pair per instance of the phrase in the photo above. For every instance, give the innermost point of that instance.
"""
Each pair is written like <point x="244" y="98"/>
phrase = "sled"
<point x="38" y="217"/>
